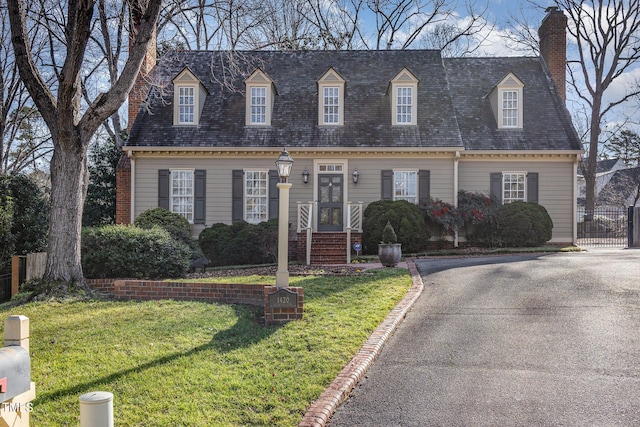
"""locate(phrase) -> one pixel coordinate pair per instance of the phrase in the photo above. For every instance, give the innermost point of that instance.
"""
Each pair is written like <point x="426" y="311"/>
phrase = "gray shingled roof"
<point x="452" y="109"/>
<point x="622" y="185"/>
<point x="546" y="122"/>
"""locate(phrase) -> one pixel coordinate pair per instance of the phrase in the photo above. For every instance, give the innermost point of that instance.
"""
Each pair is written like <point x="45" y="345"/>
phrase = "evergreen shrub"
<point x="406" y="219"/>
<point x="174" y="223"/>
<point x="522" y="224"/>
<point x="132" y="252"/>
<point x="240" y="243"/>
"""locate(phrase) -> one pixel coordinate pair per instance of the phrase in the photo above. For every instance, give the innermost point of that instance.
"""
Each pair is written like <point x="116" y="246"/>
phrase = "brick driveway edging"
<point x="338" y="391"/>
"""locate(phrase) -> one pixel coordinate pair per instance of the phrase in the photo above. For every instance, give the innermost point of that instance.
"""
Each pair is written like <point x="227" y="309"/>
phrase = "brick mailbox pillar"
<point x="282" y="305"/>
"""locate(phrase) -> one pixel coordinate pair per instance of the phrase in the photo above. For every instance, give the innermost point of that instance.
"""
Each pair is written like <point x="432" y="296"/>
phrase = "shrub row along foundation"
<point x="225" y="293"/>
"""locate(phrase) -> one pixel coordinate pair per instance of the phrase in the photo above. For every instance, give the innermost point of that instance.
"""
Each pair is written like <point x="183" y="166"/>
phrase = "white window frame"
<point x="184" y="105"/>
<point x="405" y="185"/>
<point x="514" y="187"/>
<point x="510" y="105"/>
<point x="256" y="196"/>
<point x="331" y="87"/>
<point x="182" y="192"/>
<point x="404" y="113"/>
<point x="331" y="105"/>
<point x="404" y="105"/>
<point x="258" y="104"/>
<point x="507" y="102"/>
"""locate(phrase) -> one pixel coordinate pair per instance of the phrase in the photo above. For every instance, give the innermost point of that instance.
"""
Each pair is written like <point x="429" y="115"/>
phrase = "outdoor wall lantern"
<point x="305" y="175"/>
<point x="355" y="175"/>
<point x="284" y="164"/>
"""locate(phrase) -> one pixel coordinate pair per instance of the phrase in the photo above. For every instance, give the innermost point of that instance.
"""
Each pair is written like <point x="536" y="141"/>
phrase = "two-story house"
<point x="360" y="125"/>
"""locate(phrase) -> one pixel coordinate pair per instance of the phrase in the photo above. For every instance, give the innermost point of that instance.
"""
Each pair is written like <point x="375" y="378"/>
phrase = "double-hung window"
<point x="256" y="196"/>
<point x="405" y="186"/>
<point x="331" y="99"/>
<point x="186" y="105"/>
<point x="331" y="105"/>
<point x="182" y="193"/>
<point x="258" y="105"/>
<point x="514" y="187"/>
<point x="510" y="109"/>
<point x="404" y="105"/>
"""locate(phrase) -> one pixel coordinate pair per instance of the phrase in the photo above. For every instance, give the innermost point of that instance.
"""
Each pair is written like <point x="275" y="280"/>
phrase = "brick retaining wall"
<point x="224" y="293"/>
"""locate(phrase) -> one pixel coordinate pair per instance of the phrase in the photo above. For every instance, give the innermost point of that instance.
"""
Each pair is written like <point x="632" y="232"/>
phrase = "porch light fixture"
<point x="355" y="175"/>
<point x="284" y="164"/>
<point x="305" y="175"/>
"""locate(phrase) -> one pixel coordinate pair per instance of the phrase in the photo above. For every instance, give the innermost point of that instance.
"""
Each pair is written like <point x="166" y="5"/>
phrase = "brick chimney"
<point x="140" y="88"/>
<point x="553" y="47"/>
<point x="137" y="96"/>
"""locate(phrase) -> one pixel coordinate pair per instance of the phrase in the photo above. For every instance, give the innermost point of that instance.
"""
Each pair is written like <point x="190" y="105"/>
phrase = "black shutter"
<point x="237" y="189"/>
<point x="532" y="187"/>
<point x="273" y="194"/>
<point x="387" y="185"/>
<point x="424" y="184"/>
<point x="163" y="188"/>
<point x="495" y="186"/>
<point x="200" y="190"/>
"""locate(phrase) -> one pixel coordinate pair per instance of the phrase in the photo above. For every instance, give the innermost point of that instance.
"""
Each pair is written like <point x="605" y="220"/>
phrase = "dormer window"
<point x="331" y="99"/>
<point x="510" y="109"/>
<point x="260" y="97"/>
<point x="189" y="95"/>
<point x="186" y="105"/>
<point x="506" y="102"/>
<point x="404" y="88"/>
<point x="330" y="105"/>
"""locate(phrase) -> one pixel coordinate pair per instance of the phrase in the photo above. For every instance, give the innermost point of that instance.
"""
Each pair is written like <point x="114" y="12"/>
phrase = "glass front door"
<point x="330" y="202"/>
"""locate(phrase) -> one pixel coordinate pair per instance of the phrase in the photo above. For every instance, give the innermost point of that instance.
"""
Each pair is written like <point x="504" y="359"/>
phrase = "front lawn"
<point x="196" y="364"/>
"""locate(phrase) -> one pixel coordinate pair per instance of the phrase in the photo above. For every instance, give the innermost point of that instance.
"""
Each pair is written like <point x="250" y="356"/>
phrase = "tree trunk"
<point x="69" y="181"/>
<point x="592" y="160"/>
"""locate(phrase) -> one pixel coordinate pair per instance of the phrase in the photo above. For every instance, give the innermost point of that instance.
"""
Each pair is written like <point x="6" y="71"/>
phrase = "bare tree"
<point x="24" y="141"/>
<point x="285" y="26"/>
<point x="607" y="35"/>
<point x="399" y="23"/>
<point x="607" y="46"/>
<point x="456" y="40"/>
<point x="71" y="124"/>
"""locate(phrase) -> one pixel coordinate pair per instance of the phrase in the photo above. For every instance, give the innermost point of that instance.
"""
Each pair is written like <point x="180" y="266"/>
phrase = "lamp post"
<point x="283" y="164"/>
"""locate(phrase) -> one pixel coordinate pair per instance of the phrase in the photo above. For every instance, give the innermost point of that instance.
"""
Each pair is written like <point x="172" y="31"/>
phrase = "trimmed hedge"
<point x="240" y="243"/>
<point x="407" y="220"/>
<point x="118" y="251"/>
<point x="174" y="223"/>
<point x="522" y="224"/>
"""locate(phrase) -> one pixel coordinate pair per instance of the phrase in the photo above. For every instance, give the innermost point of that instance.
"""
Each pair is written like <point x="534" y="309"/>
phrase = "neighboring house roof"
<point x="452" y="111"/>
<point x="621" y="188"/>
<point x="604" y="166"/>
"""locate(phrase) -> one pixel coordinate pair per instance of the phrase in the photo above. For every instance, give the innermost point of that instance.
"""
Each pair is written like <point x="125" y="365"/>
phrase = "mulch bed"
<point x="294" y="270"/>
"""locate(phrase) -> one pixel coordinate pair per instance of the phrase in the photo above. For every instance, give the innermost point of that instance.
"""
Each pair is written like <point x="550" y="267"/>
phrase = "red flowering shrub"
<point x="441" y="216"/>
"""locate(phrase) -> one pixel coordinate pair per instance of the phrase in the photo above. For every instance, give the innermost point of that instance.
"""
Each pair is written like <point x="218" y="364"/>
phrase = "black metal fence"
<point x="603" y="226"/>
<point x="5" y="287"/>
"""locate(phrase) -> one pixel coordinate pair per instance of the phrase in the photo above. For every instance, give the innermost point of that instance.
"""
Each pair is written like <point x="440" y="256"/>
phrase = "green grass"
<point x="196" y="364"/>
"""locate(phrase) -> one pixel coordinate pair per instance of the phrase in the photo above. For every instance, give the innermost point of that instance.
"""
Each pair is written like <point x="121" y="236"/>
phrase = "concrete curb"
<point x="338" y="391"/>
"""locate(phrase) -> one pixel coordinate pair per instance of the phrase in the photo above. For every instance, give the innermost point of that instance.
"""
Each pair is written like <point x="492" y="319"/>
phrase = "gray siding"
<point x="555" y="188"/>
<point x="555" y="185"/>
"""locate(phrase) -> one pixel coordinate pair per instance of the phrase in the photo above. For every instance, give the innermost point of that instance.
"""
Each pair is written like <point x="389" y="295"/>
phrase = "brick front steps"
<point x="327" y="248"/>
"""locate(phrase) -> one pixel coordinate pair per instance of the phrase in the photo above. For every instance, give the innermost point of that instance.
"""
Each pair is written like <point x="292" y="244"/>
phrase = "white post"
<point x="309" y="232"/>
<point x="282" y="275"/>
<point x="96" y="409"/>
<point x="348" y="232"/>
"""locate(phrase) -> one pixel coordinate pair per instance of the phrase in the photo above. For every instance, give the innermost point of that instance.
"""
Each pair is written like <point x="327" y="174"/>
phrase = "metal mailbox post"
<point x="15" y="372"/>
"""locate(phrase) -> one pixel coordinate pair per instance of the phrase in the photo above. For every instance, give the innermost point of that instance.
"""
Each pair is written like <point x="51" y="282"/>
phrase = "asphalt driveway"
<point x="512" y="341"/>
